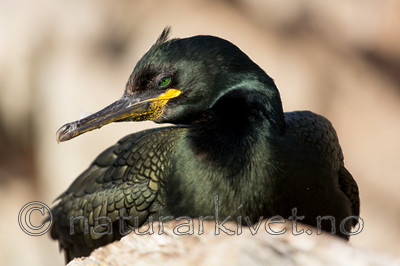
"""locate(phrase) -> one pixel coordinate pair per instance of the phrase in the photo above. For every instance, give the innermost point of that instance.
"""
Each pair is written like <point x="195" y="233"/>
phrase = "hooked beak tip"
<point x="62" y="133"/>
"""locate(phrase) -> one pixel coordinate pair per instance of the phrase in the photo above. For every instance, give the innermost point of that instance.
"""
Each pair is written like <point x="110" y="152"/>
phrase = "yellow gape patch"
<point x="157" y="105"/>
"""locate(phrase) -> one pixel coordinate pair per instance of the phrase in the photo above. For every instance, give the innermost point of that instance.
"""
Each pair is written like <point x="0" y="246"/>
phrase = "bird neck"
<point x="227" y="153"/>
<point x="236" y="127"/>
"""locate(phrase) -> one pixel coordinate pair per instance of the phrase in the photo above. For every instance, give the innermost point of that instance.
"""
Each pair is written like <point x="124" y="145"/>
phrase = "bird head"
<point x="178" y="80"/>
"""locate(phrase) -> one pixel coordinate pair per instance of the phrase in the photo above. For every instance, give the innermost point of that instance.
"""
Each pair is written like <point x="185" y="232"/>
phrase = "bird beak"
<point x="125" y="109"/>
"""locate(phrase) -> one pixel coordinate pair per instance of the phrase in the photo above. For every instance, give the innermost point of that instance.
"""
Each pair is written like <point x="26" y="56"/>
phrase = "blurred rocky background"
<point x="60" y="60"/>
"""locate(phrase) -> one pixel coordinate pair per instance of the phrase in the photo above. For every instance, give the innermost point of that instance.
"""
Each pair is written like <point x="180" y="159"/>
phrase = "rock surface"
<point x="171" y="247"/>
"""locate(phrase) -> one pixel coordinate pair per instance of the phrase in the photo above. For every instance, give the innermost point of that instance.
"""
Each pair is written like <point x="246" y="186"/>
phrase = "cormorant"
<point x="231" y="138"/>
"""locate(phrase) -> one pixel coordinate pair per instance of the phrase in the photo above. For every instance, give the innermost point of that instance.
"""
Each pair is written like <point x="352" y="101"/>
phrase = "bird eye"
<point x="164" y="81"/>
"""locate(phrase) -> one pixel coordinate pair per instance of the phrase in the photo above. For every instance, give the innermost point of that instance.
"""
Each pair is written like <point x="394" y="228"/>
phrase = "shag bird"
<point x="231" y="139"/>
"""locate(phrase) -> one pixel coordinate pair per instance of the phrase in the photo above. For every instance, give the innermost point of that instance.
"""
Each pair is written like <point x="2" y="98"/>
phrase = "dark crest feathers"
<point x="164" y="36"/>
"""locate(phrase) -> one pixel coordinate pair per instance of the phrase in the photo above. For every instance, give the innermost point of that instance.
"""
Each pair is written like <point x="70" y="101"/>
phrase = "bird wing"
<point x="317" y="133"/>
<point x="126" y="181"/>
<point x="349" y="186"/>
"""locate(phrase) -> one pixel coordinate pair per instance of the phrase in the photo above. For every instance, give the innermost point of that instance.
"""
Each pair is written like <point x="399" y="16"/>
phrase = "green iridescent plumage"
<point x="232" y="139"/>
